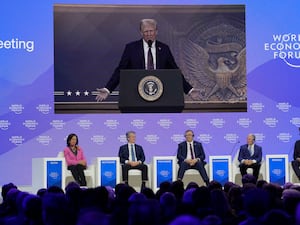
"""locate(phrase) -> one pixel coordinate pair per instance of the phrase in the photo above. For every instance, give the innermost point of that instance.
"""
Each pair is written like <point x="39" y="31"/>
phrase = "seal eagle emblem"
<point x="150" y="88"/>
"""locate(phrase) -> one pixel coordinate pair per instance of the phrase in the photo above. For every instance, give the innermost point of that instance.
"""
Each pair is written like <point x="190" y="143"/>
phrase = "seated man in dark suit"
<point x="296" y="161"/>
<point x="132" y="157"/>
<point x="190" y="155"/>
<point x="250" y="156"/>
<point x="146" y="53"/>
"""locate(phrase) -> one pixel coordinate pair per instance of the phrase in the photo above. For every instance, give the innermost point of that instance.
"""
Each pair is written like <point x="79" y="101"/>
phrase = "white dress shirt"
<point x="188" y="155"/>
<point x="130" y="155"/>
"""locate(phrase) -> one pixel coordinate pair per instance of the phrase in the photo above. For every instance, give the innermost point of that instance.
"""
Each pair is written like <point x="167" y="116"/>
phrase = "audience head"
<point x="276" y="217"/>
<point x="177" y="188"/>
<point x="186" y="220"/>
<point x="168" y="205"/>
<point x="124" y="192"/>
<point x="148" y="192"/>
<point x="118" y="187"/>
<point x="248" y="178"/>
<point x="256" y="202"/>
<point x="261" y="183"/>
<point x="94" y="197"/>
<point x="248" y="187"/>
<point x="55" y="208"/>
<point x="219" y="203"/>
<point x="228" y="185"/>
<point x="214" y="185"/>
<point x="102" y="194"/>
<point x="287" y="185"/>
<point x="6" y="188"/>
<point x="145" y="212"/>
<point x="295" y="187"/>
<point x="163" y="187"/>
<point x="11" y="197"/>
<point x="188" y="196"/>
<point x="211" y="220"/>
<point x="137" y="197"/>
<point x="291" y="198"/>
<point x="32" y="206"/>
<point x="192" y="185"/>
<point x="55" y="189"/>
<point x="235" y="198"/>
<point x="71" y="185"/>
<point x="274" y="190"/>
<point x="297" y="214"/>
<point x="92" y="217"/>
<point x="167" y="199"/>
<point x="201" y="197"/>
<point x="41" y="192"/>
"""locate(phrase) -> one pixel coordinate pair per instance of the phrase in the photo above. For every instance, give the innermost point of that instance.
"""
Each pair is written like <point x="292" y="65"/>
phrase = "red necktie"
<point x="150" y="65"/>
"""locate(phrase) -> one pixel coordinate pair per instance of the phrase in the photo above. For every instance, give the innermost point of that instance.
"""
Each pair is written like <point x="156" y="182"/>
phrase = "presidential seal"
<point x="150" y="88"/>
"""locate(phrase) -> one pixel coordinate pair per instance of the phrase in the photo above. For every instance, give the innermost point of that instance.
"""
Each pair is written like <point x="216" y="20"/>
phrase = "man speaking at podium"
<point x="146" y="53"/>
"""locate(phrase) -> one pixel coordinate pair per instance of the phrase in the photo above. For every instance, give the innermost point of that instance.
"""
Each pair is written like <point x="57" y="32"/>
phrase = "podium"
<point x="164" y="169"/>
<point x="143" y="91"/>
<point x="277" y="169"/>
<point x="220" y="168"/>
<point x="48" y="172"/>
<point x="107" y="171"/>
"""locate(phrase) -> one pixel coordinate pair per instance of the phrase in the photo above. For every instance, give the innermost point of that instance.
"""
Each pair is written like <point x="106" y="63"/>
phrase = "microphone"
<point x="234" y="146"/>
<point x="149" y="43"/>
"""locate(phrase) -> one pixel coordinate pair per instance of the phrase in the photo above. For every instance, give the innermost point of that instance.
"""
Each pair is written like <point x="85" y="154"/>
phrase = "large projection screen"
<point x="207" y="41"/>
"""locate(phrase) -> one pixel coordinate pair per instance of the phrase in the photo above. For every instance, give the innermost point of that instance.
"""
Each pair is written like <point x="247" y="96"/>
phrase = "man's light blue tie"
<point x="132" y="153"/>
<point x="249" y="149"/>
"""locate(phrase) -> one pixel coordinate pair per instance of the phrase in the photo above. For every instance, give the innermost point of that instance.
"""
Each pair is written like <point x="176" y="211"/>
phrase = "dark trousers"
<point x="142" y="167"/>
<point x="78" y="173"/>
<point x="254" y="166"/>
<point x="296" y="165"/>
<point x="198" y="166"/>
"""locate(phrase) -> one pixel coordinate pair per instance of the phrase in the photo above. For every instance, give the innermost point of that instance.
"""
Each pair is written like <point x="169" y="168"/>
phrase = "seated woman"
<point x="75" y="159"/>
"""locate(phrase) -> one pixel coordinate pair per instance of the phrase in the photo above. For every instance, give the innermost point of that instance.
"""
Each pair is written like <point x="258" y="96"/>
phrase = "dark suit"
<point x="133" y="58"/>
<point x="295" y="162"/>
<point x="199" y="154"/>
<point x="140" y="156"/>
<point x="245" y="154"/>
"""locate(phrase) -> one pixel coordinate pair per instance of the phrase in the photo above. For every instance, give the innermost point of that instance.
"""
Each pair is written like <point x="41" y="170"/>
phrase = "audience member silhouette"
<point x="255" y="203"/>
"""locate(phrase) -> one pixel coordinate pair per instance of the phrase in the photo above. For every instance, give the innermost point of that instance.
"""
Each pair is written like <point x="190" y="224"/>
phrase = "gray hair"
<point x="128" y="133"/>
<point x="252" y="135"/>
<point x="148" y="21"/>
